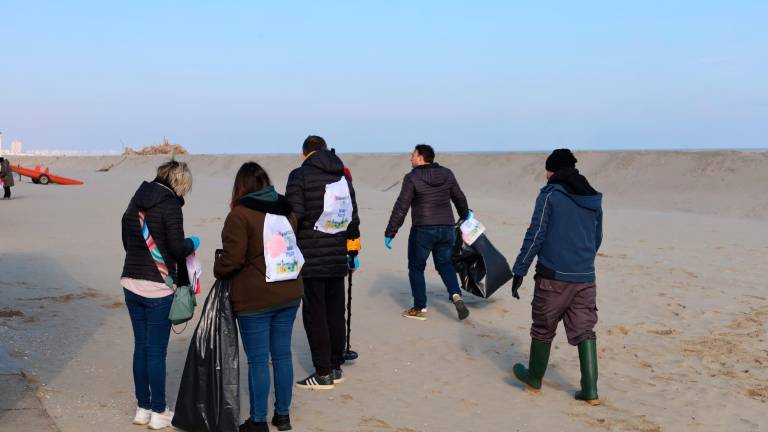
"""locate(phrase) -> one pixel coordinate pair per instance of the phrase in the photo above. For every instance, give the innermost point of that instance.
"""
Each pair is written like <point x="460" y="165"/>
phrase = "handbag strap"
<point x="154" y="251"/>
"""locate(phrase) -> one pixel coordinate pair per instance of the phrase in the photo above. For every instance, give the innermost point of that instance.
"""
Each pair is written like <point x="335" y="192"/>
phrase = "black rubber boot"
<point x="537" y="365"/>
<point x="588" y="362"/>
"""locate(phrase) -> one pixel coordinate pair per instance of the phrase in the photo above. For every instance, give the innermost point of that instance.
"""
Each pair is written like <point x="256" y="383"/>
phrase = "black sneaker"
<point x="337" y="375"/>
<point x="281" y="422"/>
<point x="252" y="426"/>
<point x="317" y="382"/>
<point x="461" y="308"/>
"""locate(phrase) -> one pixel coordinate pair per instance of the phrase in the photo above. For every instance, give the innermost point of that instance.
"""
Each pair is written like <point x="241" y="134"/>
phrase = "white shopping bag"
<point x="282" y="256"/>
<point x="194" y="270"/>
<point x="471" y="230"/>
<point x="337" y="208"/>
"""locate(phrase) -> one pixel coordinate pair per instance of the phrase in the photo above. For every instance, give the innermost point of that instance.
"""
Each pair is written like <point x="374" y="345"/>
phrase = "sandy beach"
<point x="682" y="298"/>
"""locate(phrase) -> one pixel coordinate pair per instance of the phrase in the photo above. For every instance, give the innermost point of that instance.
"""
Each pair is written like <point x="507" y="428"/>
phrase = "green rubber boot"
<point x="588" y="362"/>
<point x="537" y="365"/>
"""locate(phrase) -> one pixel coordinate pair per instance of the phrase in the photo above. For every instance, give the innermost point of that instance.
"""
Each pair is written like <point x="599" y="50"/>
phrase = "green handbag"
<point x="184" y="302"/>
<point x="183" y="306"/>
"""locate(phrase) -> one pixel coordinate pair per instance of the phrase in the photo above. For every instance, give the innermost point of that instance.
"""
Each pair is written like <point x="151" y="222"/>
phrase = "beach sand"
<point x="682" y="298"/>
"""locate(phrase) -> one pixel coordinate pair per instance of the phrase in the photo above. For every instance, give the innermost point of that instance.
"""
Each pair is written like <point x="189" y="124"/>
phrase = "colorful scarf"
<point x="154" y="251"/>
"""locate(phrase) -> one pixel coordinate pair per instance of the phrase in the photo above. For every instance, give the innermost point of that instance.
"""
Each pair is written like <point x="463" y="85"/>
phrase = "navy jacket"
<point x="565" y="233"/>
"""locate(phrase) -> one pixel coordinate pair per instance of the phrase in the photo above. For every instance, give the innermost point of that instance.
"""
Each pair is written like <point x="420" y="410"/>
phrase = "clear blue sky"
<point x="248" y="77"/>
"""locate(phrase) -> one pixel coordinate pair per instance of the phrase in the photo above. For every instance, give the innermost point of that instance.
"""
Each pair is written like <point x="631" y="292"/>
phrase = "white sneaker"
<point x="142" y="416"/>
<point x="161" y="420"/>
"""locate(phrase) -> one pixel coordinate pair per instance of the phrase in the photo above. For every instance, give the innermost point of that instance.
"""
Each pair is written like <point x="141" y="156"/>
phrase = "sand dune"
<point x="681" y="292"/>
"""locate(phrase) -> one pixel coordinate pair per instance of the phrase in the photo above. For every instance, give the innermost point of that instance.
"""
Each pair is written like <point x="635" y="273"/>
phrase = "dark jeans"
<point x="151" y="331"/>
<point x="437" y="240"/>
<point x="264" y="334"/>
<point x="6" y="191"/>
<point x="574" y="303"/>
<point x="323" y="314"/>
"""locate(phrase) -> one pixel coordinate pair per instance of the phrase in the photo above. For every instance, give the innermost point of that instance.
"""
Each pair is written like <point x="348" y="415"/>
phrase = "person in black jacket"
<point x="328" y="259"/>
<point x="429" y="190"/>
<point x="148" y="292"/>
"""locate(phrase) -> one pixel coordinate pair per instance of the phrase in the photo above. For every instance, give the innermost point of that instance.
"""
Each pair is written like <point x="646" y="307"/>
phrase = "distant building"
<point x="16" y="148"/>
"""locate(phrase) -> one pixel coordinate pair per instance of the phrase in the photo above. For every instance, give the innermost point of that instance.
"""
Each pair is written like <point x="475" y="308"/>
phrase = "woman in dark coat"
<point x="154" y="220"/>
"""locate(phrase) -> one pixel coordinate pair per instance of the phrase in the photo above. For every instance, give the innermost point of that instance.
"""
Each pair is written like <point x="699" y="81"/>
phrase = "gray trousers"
<point x="574" y="303"/>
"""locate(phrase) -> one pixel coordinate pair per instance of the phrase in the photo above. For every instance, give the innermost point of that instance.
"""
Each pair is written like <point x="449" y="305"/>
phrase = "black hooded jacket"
<point x="162" y="209"/>
<point x="325" y="254"/>
<point x="428" y="190"/>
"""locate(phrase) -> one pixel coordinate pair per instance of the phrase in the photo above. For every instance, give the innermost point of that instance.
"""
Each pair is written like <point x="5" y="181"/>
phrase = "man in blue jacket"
<point x="565" y="233"/>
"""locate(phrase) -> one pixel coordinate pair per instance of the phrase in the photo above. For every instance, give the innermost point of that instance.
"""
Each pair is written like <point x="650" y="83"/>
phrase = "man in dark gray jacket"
<point x="429" y="190"/>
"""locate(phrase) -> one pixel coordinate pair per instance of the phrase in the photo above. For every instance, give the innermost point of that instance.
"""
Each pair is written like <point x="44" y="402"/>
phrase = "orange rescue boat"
<point x="44" y="177"/>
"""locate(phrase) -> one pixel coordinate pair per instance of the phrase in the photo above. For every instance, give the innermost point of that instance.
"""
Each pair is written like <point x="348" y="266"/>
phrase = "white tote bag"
<point x="282" y="256"/>
<point x="471" y="230"/>
<point x="337" y="208"/>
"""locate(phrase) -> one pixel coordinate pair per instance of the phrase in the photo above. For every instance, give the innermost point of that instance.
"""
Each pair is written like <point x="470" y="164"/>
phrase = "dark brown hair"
<point x="426" y="151"/>
<point x="251" y="177"/>
<point x="313" y="143"/>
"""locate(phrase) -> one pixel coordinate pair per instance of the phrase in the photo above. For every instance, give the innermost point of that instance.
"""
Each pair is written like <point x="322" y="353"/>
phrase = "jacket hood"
<point x="432" y="174"/>
<point x="327" y="161"/>
<point x="589" y="202"/>
<point x="280" y="207"/>
<point x="150" y="194"/>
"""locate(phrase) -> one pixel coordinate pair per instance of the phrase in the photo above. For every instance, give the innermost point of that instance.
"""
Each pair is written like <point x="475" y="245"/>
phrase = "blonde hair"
<point x="177" y="175"/>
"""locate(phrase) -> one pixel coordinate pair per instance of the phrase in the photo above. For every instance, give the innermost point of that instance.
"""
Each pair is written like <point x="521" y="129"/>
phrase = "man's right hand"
<point x="388" y="242"/>
<point x="517" y="281"/>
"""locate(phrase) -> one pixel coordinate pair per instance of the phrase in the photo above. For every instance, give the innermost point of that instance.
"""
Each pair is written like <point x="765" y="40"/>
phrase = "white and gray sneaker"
<point x="461" y="308"/>
<point x="161" y="420"/>
<point x="317" y="382"/>
<point x="337" y="375"/>
<point x="142" y="416"/>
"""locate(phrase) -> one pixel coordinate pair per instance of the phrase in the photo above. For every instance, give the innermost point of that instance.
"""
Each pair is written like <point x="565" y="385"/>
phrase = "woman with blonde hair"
<point x="155" y="261"/>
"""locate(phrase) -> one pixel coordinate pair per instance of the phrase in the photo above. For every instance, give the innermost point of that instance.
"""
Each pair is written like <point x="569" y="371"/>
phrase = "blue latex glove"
<point x="470" y="215"/>
<point x="388" y="242"/>
<point x="353" y="262"/>
<point x="195" y="241"/>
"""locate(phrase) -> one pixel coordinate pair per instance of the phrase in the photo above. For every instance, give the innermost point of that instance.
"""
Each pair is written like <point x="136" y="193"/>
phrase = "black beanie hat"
<point x="559" y="159"/>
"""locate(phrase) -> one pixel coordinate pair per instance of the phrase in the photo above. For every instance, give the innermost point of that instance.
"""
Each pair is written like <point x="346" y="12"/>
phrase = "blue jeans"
<point x="262" y="334"/>
<point x="151" y="331"/>
<point x="437" y="240"/>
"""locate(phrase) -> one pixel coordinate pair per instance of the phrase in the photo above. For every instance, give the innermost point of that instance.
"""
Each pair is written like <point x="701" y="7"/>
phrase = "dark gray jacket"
<point x="428" y="190"/>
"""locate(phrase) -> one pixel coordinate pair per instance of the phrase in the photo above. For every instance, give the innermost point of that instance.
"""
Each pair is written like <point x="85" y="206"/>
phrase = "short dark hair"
<point x="427" y="152"/>
<point x="313" y="143"/>
<point x="251" y="177"/>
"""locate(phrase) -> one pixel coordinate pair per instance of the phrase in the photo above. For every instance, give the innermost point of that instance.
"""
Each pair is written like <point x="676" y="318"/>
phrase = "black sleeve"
<point x="124" y="232"/>
<point x="294" y="191"/>
<point x="353" y="230"/>
<point x="178" y="246"/>
<point x="458" y="198"/>
<point x="402" y="205"/>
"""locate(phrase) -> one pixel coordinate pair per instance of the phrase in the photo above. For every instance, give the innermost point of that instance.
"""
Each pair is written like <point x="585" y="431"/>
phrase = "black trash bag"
<point x="482" y="269"/>
<point x="209" y="394"/>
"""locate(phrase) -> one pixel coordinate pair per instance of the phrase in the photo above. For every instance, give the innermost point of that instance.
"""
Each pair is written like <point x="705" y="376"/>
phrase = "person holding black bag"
<point x="155" y="254"/>
<point x="262" y="261"/>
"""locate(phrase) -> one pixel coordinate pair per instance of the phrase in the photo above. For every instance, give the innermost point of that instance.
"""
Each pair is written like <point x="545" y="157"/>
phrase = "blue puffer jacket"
<point x="565" y="233"/>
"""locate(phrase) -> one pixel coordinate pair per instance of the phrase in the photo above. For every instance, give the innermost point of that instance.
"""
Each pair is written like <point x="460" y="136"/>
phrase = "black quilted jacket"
<point x="428" y="190"/>
<point x="325" y="255"/>
<point x="162" y="209"/>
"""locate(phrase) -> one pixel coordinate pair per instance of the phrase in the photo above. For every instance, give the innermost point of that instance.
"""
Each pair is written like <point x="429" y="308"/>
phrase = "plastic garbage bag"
<point x="482" y="269"/>
<point x="209" y="394"/>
